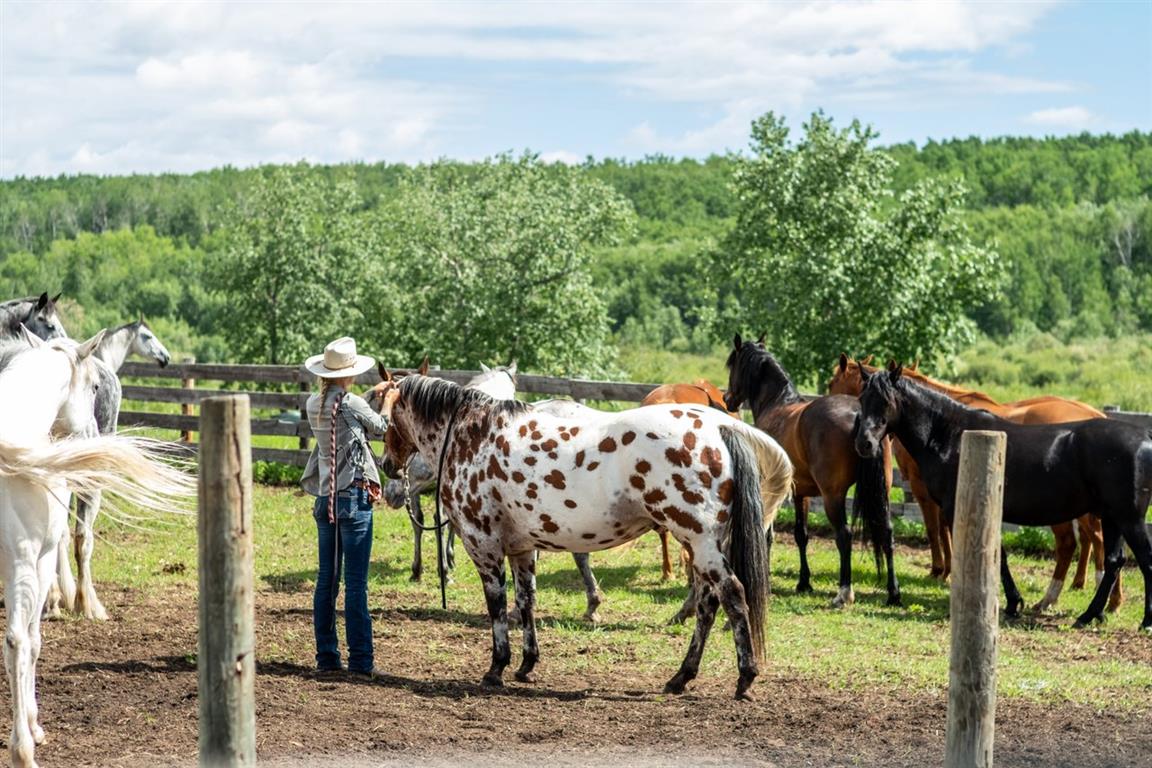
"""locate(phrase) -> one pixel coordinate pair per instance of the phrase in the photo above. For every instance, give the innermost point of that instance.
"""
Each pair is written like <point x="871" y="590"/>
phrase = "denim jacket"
<point x="356" y="422"/>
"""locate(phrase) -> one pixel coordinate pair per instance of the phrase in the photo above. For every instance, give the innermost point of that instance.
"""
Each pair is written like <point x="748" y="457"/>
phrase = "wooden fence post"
<point x="975" y="600"/>
<point x="186" y="408"/>
<point x="226" y="661"/>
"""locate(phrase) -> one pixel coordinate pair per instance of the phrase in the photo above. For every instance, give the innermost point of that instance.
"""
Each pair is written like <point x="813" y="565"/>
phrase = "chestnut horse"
<point x="699" y="392"/>
<point x="847" y="380"/>
<point x="819" y="437"/>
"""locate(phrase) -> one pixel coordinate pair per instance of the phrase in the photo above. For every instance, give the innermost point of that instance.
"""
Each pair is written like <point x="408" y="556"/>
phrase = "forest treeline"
<point x="631" y="248"/>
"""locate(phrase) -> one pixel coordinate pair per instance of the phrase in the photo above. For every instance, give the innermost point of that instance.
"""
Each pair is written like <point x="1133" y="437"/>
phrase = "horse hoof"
<point x="803" y="588"/>
<point x="675" y="686"/>
<point x="592" y="617"/>
<point x="38" y="736"/>
<point x="1041" y="607"/>
<point x="743" y="685"/>
<point x="414" y="577"/>
<point x="743" y="696"/>
<point x="492" y="680"/>
<point x="679" y="618"/>
<point x="1147" y="629"/>
<point x="525" y="677"/>
<point x="894" y="601"/>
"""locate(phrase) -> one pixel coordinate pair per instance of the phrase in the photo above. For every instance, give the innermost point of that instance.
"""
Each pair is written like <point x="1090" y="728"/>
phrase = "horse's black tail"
<point x="763" y="478"/>
<point x="871" y="504"/>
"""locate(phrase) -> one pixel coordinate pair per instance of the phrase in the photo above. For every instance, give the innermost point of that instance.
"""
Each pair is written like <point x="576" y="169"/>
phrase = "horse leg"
<point x="1084" y="532"/>
<point x="1113" y="562"/>
<point x="946" y="544"/>
<point x="22" y="600"/>
<point x="930" y="511"/>
<point x="834" y="508"/>
<point x="591" y="588"/>
<point x="493" y="579"/>
<point x="1117" y="597"/>
<point x="706" y="604"/>
<point x="416" y="518"/>
<point x="524" y="568"/>
<point x="1065" y="550"/>
<point x="87" y="603"/>
<point x="889" y="562"/>
<point x="735" y="605"/>
<point x="665" y="555"/>
<point x="449" y="534"/>
<point x="1136" y="534"/>
<point x="1015" y="602"/>
<point x="800" y="504"/>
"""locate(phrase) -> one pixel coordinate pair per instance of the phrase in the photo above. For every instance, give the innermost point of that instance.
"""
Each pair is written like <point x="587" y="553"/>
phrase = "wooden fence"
<point x="187" y="390"/>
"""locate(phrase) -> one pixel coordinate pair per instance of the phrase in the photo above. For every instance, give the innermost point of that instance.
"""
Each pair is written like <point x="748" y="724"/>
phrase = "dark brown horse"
<point x="847" y="379"/>
<point x="1053" y="473"/>
<point x="701" y="392"/>
<point x="819" y="439"/>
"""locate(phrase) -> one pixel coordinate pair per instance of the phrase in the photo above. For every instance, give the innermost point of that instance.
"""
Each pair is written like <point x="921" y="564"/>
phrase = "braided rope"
<point x="332" y="461"/>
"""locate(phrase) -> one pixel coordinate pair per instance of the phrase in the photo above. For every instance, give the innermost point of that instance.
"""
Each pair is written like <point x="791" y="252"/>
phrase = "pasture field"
<point x="863" y="686"/>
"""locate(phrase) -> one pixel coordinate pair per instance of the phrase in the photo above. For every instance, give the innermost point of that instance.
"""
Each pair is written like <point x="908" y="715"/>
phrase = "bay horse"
<point x="49" y="444"/>
<point x="1053" y="473"/>
<point x="1048" y="409"/>
<point x="699" y="392"/>
<point x="517" y="480"/>
<point x="819" y="438"/>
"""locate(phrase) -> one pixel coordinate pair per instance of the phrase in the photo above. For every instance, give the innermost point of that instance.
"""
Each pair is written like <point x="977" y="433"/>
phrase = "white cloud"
<point x="1067" y="118"/>
<point x="171" y="86"/>
<point x="561" y="156"/>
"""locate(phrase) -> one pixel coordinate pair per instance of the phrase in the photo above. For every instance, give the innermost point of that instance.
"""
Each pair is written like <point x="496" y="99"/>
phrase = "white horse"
<point x="48" y="391"/>
<point x="134" y="338"/>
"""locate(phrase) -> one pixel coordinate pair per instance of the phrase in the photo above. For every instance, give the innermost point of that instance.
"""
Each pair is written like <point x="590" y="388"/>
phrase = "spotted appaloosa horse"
<point x="848" y="379"/>
<point x="517" y="480"/>
<point x="699" y="392"/>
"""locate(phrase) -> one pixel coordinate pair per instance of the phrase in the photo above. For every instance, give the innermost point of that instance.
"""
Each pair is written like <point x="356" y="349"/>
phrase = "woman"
<point x="341" y="473"/>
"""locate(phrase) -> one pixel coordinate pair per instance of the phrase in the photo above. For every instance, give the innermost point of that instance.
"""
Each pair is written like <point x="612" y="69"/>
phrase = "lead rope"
<point x="332" y="509"/>
<point x="438" y="521"/>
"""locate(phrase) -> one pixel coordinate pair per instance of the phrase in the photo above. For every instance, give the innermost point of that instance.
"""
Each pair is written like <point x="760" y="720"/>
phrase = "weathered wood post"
<point x="226" y="661"/>
<point x="186" y="408"/>
<point x="975" y="600"/>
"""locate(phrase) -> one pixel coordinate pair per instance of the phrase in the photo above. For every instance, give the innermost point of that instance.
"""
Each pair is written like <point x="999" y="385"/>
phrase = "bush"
<point x="274" y="473"/>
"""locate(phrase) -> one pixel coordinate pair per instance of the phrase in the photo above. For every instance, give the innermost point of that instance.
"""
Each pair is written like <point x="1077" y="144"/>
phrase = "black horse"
<point x="1053" y="472"/>
<point x="818" y="437"/>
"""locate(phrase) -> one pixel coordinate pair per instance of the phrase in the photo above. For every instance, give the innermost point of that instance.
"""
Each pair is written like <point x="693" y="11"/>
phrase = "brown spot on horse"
<point x="683" y="519"/>
<point x="692" y="497"/>
<point x="680" y="457"/>
<point x="712" y="459"/>
<point x="637" y="482"/>
<point x="592" y="465"/>
<point x="556" y="479"/>
<point x="726" y="490"/>
<point x="607" y="445"/>
<point x="579" y="458"/>
<point x="517" y="476"/>
<point x="628" y="437"/>
<point x="690" y="440"/>
<point x="570" y="503"/>
<point x="494" y="469"/>
<point x="549" y="445"/>
<point x="643" y="467"/>
<point x="654" y="496"/>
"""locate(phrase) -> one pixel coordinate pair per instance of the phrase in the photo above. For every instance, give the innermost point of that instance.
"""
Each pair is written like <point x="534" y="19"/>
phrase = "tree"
<point x="827" y="259"/>
<point x="490" y="262"/>
<point x="293" y="269"/>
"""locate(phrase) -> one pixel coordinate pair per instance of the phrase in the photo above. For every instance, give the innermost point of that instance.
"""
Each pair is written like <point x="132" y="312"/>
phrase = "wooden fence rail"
<point x="295" y="383"/>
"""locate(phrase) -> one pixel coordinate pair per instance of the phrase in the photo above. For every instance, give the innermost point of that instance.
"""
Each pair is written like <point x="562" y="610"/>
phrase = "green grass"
<point x="867" y="646"/>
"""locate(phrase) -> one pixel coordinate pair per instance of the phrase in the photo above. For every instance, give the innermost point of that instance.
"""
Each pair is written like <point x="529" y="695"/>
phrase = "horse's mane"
<point x="755" y="366"/>
<point x="934" y="384"/>
<point x="431" y="398"/>
<point x="952" y="414"/>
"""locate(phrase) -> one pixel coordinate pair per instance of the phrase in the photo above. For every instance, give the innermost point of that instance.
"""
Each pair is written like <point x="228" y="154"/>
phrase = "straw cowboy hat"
<point x="339" y="360"/>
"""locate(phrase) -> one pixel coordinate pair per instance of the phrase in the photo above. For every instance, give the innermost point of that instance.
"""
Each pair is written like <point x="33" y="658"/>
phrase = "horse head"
<point x="755" y="377"/>
<point x="879" y="409"/>
<point x="74" y="387"/>
<point x="40" y="318"/>
<point x="145" y="343"/>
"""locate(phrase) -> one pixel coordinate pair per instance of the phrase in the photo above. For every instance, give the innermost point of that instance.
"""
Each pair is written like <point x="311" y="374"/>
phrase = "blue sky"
<point x="149" y="86"/>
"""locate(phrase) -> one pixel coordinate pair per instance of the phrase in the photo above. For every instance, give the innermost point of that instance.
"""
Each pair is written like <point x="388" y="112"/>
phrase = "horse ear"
<point x="915" y="366"/>
<point x="87" y="348"/>
<point x="864" y="376"/>
<point x="894" y="370"/>
<point x="43" y="301"/>
<point x="868" y="360"/>
<point x="423" y="369"/>
<point x="33" y="340"/>
<point x="737" y="342"/>
<point x="763" y="336"/>
<point x="512" y="368"/>
<point x="843" y="362"/>
<point x="384" y="374"/>
<point x="485" y="368"/>
<point x="56" y="298"/>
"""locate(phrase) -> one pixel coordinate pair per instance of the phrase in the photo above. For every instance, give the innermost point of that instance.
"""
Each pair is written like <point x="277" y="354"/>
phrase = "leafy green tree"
<point x="490" y="262"/>
<point x="828" y="259"/>
<point x="293" y="269"/>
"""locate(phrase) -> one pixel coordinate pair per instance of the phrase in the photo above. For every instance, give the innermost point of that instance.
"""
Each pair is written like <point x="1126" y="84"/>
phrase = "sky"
<point x="146" y="87"/>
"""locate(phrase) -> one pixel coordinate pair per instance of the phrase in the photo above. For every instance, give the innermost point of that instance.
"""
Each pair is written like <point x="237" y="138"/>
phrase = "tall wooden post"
<point x="226" y="661"/>
<point x="187" y="383"/>
<point x="975" y="600"/>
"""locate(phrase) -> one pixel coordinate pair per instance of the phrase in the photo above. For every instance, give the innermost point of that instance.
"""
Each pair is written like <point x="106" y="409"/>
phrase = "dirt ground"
<point x="123" y="693"/>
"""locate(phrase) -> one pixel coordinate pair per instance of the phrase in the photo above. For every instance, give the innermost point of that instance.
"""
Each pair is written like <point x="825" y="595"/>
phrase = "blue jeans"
<point x="354" y="518"/>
